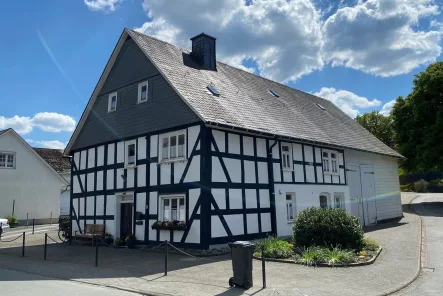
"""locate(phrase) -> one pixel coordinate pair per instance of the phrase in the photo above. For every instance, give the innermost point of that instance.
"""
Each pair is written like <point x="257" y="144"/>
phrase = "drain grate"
<point x="428" y="269"/>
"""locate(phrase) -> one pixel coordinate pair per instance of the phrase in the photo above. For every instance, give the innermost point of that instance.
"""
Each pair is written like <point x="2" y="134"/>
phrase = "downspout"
<point x="272" y="188"/>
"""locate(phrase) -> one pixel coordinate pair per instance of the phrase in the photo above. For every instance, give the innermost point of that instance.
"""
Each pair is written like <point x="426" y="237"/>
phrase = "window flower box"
<point x="169" y="225"/>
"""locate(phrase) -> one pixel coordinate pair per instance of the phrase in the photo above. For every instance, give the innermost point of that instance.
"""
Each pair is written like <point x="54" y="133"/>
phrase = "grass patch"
<point x="274" y="248"/>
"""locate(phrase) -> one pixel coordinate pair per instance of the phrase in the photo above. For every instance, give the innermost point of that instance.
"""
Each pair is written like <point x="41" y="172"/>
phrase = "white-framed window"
<point x="339" y="200"/>
<point x="173" y="208"/>
<point x="112" y="102"/>
<point x="173" y="146"/>
<point x="142" y="92"/>
<point x="324" y="200"/>
<point x="130" y="153"/>
<point x="330" y="162"/>
<point x="291" y="211"/>
<point x="7" y="160"/>
<point x="286" y="153"/>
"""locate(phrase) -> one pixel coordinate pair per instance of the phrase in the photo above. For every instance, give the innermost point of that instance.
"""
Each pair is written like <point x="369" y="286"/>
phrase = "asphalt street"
<point x="26" y="284"/>
<point x="430" y="283"/>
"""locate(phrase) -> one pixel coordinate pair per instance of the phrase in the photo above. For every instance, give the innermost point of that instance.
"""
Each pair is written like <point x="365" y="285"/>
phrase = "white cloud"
<point x="46" y="121"/>
<point x="102" y="5"/>
<point x="284" y="38"/>
<point x="381" y="37"/>
<point x="288" y="39"/>
<point x="347" y="101"/>
<point x="387" y="108"/>
<point x="54" y="144"/>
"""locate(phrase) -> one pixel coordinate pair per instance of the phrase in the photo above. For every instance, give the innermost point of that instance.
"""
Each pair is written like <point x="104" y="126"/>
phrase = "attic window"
<point x="275" y="93"/>
<point x="320" y="106"/>
<point x="213" y="90"/>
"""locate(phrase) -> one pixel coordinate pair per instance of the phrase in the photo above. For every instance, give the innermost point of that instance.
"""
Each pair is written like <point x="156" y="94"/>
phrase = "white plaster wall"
<point x="387" y="185"/>
<point x="306" y="196"/>
<point x="32" y="184"/>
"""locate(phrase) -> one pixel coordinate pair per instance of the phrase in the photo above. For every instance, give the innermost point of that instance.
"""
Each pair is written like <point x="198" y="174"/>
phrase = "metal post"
<point x="263" y="267"/>
<point x="23" y="245"/>
<point x="166" y="257"/>
<point x="96" y="251"/>
<point x="46" y="244"/>
<point x="13" y="207"/>
<point x="33" y="222"/>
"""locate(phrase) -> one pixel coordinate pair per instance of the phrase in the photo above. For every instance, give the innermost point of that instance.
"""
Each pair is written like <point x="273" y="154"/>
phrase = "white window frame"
<point x="328" y="199"/>
<point x="291" y="204"/>
<point x="139" y="96"/>
<point x="286" y="158"/>
<point x="127" y="144"/>
<point x="110" y="102"/>
<point x="341" y="196"/>
<point x="330" y="163"/>
<point x="170" y="197"/>
<point x="169" y="136"/>
<point x="7" y="156"/>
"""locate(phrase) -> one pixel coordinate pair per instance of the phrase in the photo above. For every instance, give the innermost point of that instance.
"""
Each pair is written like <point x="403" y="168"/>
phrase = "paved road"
<point x="430" y="283"/>
<point x="25" y="284"/>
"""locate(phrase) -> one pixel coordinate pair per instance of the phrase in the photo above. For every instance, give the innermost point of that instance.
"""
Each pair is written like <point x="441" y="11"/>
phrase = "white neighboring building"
<point x="27" y="182"/>
<point x="61" y="164"/>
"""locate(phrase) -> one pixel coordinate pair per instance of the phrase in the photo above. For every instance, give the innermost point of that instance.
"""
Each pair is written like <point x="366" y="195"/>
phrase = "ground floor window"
<point x="173" y="208"/>
<point x="290" y="207"/>
<point x="324" y="200"/>
<point x="339" y="201"/>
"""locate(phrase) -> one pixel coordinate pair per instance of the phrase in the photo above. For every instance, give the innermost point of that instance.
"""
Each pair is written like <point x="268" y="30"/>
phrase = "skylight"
<point x="275" y="93"/>
<point x="213" y="90"/>
<point x="320" y="106"/>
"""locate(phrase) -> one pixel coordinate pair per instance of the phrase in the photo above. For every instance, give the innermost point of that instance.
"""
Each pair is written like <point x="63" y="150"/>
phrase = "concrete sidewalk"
<point x="142" y="271"/>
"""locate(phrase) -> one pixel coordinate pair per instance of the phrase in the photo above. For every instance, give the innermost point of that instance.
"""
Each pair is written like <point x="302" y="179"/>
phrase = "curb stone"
<point x="420" y="249"/>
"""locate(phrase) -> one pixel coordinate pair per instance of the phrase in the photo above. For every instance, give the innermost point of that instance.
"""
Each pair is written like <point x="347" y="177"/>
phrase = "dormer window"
<point x="142" y="92"/>
<point x="274" y="93"/>
<point x="112" y="102"/>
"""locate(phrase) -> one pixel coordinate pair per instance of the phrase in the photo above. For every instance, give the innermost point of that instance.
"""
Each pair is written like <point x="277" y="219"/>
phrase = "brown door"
<point x="125" y="220"/>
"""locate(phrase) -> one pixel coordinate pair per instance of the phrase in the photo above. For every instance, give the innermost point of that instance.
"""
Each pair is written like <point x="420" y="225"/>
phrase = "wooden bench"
<point x="91" y="231"/>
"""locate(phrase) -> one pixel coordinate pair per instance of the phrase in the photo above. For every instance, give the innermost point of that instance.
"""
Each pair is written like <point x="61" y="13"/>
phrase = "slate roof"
<point x="4" y="131"/>
<point x="54" y="157"/>
<point x="246" y="103"/>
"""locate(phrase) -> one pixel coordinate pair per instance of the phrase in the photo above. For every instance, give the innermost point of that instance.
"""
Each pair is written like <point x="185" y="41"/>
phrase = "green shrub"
<point x="421" y="186"/>
<point x="274" y="248"/>
<point x="370" y="244"/>
<point x="407" y="187"/>
<point x="12" y="219"/>
<point x="436" y="182"/>
<point x="336" y="256"/>
<point x="310" y="256"/>
<point x="327" y="227"/>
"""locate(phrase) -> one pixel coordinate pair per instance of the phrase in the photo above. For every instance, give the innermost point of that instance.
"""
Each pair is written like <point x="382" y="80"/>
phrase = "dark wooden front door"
<point x="125" y="220"/>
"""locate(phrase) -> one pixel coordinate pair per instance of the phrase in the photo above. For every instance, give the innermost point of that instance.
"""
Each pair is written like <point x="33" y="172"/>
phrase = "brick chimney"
<point x="203" y="51"/>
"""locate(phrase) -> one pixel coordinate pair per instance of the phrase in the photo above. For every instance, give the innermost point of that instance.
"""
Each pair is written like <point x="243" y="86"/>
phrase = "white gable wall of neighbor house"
<point x="32" y="184"/>
<point x="387" y="184"/>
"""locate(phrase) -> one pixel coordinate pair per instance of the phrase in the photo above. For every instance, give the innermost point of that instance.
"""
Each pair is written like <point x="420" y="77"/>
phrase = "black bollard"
<point x="46" y="245"/>
<point x="96" y="251"/>
<point x="33" y="222"/>
<point x="166" y="257"/>
<point x="23" y="245"/>
<point x="263" y="267"/>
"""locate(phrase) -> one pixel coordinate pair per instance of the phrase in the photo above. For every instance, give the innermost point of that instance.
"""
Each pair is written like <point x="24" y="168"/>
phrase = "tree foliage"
<point x="379" y="125"/>
<point x="418" y="122"/>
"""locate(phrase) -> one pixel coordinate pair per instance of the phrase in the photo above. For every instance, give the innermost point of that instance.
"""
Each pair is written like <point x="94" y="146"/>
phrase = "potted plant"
<point x="130" y="241"/>
<point x="169" y="225"/>
<point x="118" y="242"/>
<point x="109" y="239"/>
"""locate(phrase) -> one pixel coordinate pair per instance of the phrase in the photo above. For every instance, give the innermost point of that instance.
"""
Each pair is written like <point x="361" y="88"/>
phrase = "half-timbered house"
<point x="173" y="135"/>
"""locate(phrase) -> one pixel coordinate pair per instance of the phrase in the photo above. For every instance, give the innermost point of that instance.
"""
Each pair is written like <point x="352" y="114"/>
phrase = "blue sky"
<point x="360" y="55"/>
